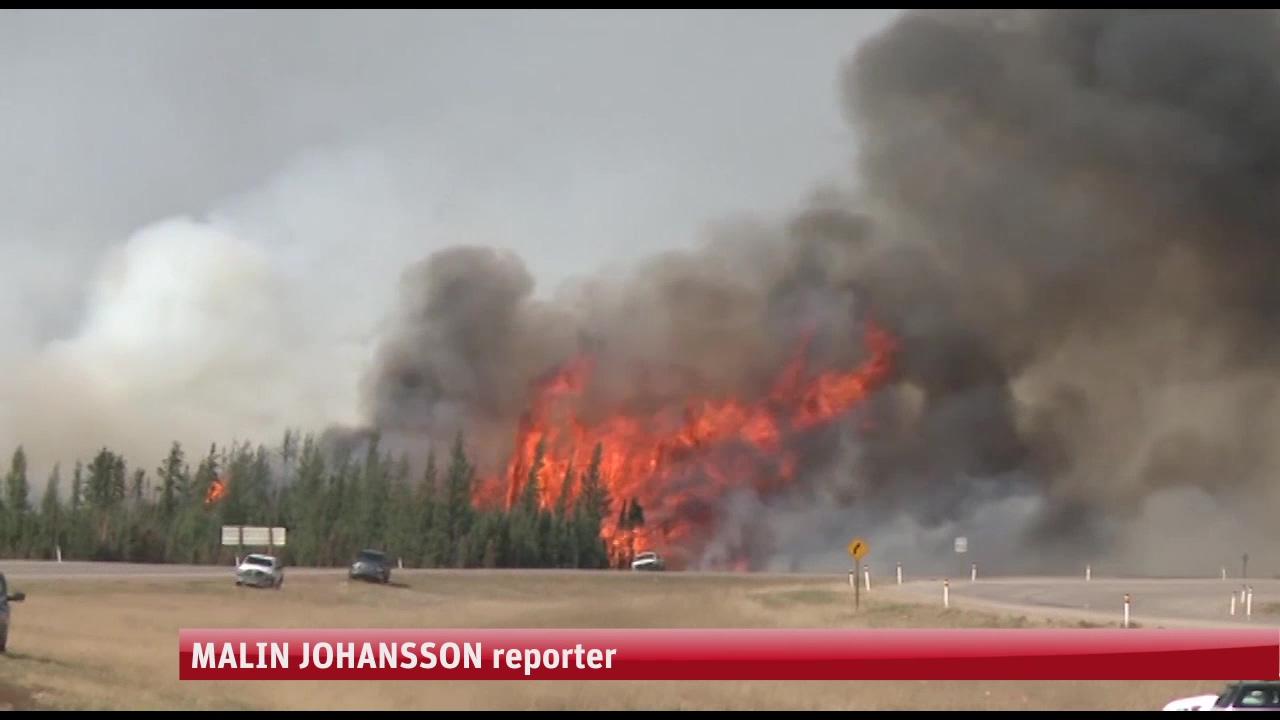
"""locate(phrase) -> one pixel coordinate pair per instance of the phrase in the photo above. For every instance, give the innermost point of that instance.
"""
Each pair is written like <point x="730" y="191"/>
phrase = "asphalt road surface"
<point x="1154" y="602"/>
<point x="73" y="570"/>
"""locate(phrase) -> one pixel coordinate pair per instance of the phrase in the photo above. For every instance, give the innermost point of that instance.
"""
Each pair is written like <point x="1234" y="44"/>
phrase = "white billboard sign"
<point x="253" y="536"/>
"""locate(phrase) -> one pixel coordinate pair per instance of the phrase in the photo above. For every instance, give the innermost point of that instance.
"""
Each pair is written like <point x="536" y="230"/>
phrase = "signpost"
<point x="240" y="535"/>
<point x="857" y="550"/>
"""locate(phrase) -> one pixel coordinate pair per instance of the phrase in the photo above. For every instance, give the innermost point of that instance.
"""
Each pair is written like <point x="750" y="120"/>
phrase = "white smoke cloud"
<point x="237" y="325"/>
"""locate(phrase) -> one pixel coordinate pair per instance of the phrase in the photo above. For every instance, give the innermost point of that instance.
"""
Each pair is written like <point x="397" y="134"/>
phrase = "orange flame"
<point x="678" y="465"/>
<point x="217" y="490"/>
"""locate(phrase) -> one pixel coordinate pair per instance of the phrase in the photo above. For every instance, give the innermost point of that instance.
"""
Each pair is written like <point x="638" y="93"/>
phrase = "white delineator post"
<point x="58" y="549"/>
<point x="400" y="563"/>
<point x="1126" y="610"/>
<point x="899" y="573"/>
<point x="1088" y="573"/>
<point x="851" y="580"/>
<point x="866" y="577"/>
<point x="1224" y="572"/>
<point x="1233" y="604"/>
<point x="973" y="572"/>
<point x="1248" y="603"/>
<point x="946" y="593"/>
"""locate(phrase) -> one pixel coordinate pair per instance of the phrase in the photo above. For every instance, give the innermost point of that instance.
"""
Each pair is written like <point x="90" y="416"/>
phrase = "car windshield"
<point x="646" y="556"/>
<point x="371" y="556"/>
<point x="258" y="560"/>
<point x="1267" y="696"/>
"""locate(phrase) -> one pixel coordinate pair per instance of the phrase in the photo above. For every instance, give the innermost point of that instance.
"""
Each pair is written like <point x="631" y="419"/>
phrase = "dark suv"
<point x="371" y="565"/>
<point x="5" y="599"/>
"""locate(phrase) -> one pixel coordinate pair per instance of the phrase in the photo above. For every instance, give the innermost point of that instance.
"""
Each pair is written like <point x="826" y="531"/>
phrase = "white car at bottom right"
<point x="1260" y="695"/>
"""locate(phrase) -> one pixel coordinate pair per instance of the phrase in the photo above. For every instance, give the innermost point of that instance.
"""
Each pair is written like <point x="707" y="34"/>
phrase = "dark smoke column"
<point x="1081" y="230"/>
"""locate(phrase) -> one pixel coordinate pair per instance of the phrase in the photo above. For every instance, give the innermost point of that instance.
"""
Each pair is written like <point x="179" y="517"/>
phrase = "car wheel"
<point x="239" y="584"/>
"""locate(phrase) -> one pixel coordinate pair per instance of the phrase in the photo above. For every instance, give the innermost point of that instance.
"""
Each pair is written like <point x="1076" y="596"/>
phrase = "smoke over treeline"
<point x="1066" y="219"/>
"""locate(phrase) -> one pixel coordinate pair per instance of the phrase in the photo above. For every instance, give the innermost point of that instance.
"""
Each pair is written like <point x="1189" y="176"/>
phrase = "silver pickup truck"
<point x="264" y="571"/>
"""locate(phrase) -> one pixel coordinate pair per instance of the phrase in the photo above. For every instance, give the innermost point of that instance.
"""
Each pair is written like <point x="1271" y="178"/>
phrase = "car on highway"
<point x="648" y="561"/>
<point x="264" y="571"/>
<point x="1238" y="696"/>
<point x="371" y="565"/>
<point x="1259" y="695"/>
<point x="5" y="599"/>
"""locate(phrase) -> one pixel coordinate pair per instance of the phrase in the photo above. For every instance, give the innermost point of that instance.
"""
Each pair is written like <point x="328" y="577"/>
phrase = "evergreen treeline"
<point x="332" y="507"/>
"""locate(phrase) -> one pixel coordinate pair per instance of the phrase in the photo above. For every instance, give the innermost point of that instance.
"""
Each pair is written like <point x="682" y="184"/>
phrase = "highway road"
<point x="1155" y="602"/>
<point x="78" y="570"/>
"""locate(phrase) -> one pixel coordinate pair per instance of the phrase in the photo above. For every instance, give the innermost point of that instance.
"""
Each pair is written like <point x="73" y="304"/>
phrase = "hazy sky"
<point x="173" y="178"/>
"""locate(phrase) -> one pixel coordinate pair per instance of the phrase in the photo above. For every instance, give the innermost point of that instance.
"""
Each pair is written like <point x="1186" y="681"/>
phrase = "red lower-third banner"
<point x="567" y="654"/>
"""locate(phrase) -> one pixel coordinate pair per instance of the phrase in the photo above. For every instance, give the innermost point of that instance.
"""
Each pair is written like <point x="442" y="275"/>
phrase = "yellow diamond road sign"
<point x="858" y="548"/>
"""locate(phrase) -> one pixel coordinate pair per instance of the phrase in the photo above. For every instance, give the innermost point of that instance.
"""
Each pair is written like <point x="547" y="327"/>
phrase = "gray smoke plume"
<point x="1067" y="220"/>
<point x="1082" y="201"/>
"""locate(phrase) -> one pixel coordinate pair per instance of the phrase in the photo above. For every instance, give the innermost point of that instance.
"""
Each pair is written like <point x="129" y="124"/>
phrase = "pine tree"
<point x="307" y="521"/>
<point x="563" y="548"/>
<point x="118" y="475"/>
<point x="16" y="483"/>
<point x="98" y="494"/>
<point x="589" y="514"/>
<point x="17" y="506"/>
<point x="139" y="480"/>
<point x="77" y="487"/>
<point x="400" y="511"/>
<point x="207" y="473"/>
<point x="458" y="500"/>
<point x="527" y="550"/>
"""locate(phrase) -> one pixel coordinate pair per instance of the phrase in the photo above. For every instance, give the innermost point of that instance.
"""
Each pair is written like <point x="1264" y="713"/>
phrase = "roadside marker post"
<point x="1126" y="610"/>
<point x="1248" y="604"/>
<point x="1088" y="573"/>
<point x="946" y="593"/>
<point x="866" y="576"/>
<point x="1233" y="604"/>
<point x="899" y="573"/>
<point x="973" y="572"/>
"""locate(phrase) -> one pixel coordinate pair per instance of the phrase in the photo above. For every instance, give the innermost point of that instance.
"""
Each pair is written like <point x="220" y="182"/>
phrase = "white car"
<point x="648" y="561"/>
<point x="1199" y="702"/>
<point x="1239" y="696"/>
<point x="260" y="571"/>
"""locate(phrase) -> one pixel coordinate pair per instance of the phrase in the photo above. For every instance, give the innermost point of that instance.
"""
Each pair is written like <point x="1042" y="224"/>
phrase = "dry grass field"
<point x="112" y="644"/>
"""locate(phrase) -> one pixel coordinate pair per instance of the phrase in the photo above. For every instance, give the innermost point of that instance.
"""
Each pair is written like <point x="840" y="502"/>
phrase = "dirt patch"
<point x="13" y="697"/>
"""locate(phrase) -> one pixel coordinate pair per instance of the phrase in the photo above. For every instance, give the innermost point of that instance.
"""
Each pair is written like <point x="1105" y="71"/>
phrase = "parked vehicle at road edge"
<point x="648" y="561"/>
<point x="5" y="599"/>
<point x="1238" y="696"/>
<point x="371" y="565"/>
<point x="264" y="571"/>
